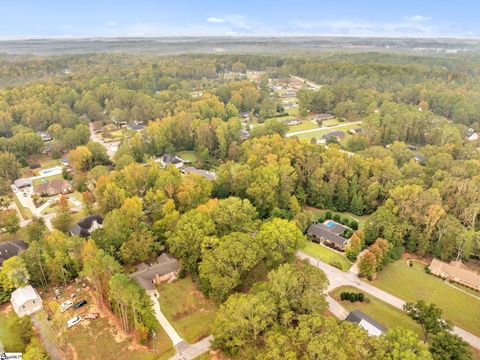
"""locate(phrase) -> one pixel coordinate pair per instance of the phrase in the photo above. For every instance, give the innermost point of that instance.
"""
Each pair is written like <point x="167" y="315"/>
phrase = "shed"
<point x="26" y="301"/>
<point x="373" y="328"/>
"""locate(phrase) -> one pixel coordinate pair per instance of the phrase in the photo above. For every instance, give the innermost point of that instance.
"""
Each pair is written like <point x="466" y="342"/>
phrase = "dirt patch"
<point x="185" y="313"/>
<point x="426" y="260"/>
<point x="5" y="308"/>
<point x="218" y="355"/>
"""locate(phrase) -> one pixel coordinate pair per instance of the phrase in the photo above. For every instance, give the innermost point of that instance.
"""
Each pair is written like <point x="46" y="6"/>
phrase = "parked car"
<point x="66" y="305"/>
<point x="73" y="321"/>
<point x="57" y="293"/>
<point x="91" y="316"/>
<point x="79" y="304"/>
<point x="25" y="194"/>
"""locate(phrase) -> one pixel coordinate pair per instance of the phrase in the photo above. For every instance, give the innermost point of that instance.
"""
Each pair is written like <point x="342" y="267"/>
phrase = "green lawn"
<point x="317" y="212"/>
<point x="26" y="213"/>
<point x="318" y="134"/>
<point x="190" y="313"/>
<point x="412" y="284"/>
<point x="305" y="125"/>
<point x="189" y="155"/>
<point x="48" y="178"/>
<point x="205" y="356"/>
<point x="326" y="255"/>
<point x="383" y="313"/>
<point x="9" y="342"/>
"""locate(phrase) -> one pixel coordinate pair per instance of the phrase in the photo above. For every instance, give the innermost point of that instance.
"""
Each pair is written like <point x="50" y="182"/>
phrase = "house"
<point x="291" y="122"/>
<point x="86" y="226"/>
<point x="322" y="117"/>
<point x="323" y="234"/>
<point x="335" y="227"/>
<point x="244" y="134"/>
<point x="136" y="125"/>
<point x="457" y="272"/>
<point x="420" y="158"/>
<point x="355" y="131"/>
<point x="26" y="301"/>
<point x="411" y="147"/>
<point x="335" y="134"/>
<point x="204" y="173"/>
<point x="165" y="269"/>
<point x="373" y="328"/>
<point x="243" y="114"/>
<point x="44" y="135"/>
<point x="472" y="135"/>
<point x="11" y="248"/>
<point x="53" y="187"/>
<point x="23" y="183"/>
<point x="170" y="159"/>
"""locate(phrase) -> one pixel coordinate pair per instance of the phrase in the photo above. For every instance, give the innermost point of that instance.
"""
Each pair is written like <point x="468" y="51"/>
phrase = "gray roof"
<point x="10" y="249"/>
<point x="337" y="134"/>
<point x="82" y="228"/>
<point x="165" y="264"/>
<point x="206" y="174"/>
<point x="171" y="159"/>
<point x="22" y="182"/>
<point x="356" y="316"/>
<point x="337" y="228"/>
<point x="323" y="231"/>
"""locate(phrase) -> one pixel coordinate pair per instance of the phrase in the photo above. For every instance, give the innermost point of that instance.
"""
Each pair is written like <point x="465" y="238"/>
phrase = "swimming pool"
<point x="330" y="223"/>
<point x="52" y="171"/>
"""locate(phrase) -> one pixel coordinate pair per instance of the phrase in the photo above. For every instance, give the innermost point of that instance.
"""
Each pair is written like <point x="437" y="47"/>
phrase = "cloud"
<point x="215" y="20"/>
<point x="417" y="18"/>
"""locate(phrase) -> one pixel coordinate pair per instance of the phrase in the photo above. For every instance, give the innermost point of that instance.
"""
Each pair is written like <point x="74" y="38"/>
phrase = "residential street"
<point x="338" y="278"/>
<point x="322" y="128"/>
<point x="315" y="86"/>
<point x="111" y="147"/>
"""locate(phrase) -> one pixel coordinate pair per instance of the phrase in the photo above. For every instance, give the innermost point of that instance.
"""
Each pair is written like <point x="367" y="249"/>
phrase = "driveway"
<point x="338" y="278"/>
<point x="111" y="147"/>
<point x="171" y="332"/>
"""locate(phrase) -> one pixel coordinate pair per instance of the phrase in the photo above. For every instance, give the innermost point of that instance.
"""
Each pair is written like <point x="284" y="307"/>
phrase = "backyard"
<point x="383" y="313"/>
<point x="326" y="255"/>
<point x="318" y="134"/>
<point x="305" y="125"/>
<point x="190" y="313"/>
<point x="413" y="283"/>
<point x="317" y="212"/>
<point x="188" y="155"/>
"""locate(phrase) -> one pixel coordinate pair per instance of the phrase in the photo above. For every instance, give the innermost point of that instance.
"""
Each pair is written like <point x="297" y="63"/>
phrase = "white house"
<point x="26" y="301"/>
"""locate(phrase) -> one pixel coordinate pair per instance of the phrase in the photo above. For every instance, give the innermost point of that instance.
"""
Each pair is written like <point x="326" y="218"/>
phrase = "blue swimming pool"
<point x="330" y="223"/>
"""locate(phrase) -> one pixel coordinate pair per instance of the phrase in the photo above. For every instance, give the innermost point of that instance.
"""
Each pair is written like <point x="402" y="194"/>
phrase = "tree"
<point x="448" y="346"/>
<point x="428" y="316"/>
<point x="81" y="158"/>
<point x="193" y="191"/>
<point x="400" y="344"/>
<point x="367" y="265"/>
<point x="279" y="240"/>
<point x="224" y="267"/>
<point x="355" y="245"/>
<point x="63" y="220"/>
<point x="9" y="166"/>
<point x="13" y="273"/>
<point x="138" y="247"/>
<point x="9" y="221"/>
<point x="233" y="214"/>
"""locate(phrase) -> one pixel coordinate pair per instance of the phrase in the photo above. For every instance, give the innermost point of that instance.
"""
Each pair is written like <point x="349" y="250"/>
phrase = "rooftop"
<point x="12" y="248"/>
<point x="366" y="322"/>
<point x="165" y="264"/>
<point x="323" y="231"/>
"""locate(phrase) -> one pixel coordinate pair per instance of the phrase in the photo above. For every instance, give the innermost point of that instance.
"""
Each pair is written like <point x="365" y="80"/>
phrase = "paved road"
<point x="338" y="278"/>
<point x="188" y="352"/>
<point x="322" y="128"/>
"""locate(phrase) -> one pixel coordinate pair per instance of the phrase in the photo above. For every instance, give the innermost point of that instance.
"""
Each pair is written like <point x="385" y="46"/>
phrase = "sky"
<point x="119" y="18"/>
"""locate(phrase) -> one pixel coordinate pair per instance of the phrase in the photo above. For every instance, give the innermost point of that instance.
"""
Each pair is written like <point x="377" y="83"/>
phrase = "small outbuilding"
<point x="373" y="328"/>
<point x="26" y="301"/>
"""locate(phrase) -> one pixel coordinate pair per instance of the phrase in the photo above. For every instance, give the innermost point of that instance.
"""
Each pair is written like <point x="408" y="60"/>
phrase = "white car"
<point x="66" y="305"/>
<point x="73" y="321"/>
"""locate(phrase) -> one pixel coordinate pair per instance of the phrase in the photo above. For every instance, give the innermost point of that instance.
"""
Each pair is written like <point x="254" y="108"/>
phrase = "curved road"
<point x="323" y="128"/>
<point x="338" y="278"/>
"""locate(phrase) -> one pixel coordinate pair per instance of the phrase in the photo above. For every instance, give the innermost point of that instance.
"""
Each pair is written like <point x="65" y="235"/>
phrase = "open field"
<point x="189" y="155"/>
<point x="326" y="255"/>
<point x="412" y="284"/>
<point x="383" y="313"/>
<point x="317" y="212"/>
<point x="305" y="125"/>
<point x="190" y="313"/>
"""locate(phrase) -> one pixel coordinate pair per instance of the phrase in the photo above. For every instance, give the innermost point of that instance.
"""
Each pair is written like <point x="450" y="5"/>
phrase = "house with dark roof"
<point x="171" y="159"/>
<point x="10" y="249"/>
<point x="203" y="173"/>
<point x="335" y="134"/>
<point x="53" y="187"/>
<point x="23" y="183"/>
<point x="373" y="328"/>
<point x="86" y="226"/>
<point x="322" y="117"/>
<point x="165" y="269"/>
<point x="321" y="233"/>
<point x="243" y="114"/>
<point x="291" y="122"/>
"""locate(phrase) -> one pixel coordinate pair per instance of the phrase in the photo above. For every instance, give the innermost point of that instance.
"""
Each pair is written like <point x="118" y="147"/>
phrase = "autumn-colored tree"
<point x="367" y="265"/>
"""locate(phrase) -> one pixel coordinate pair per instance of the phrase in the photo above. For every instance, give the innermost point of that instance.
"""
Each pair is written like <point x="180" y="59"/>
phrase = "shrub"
<point x="353" y="224"/>
<point x="345" y="221"/>
<point x="181" y="274"/>
<point x="361" y="297"/>
<point x="410" y="263"/>
<point x="427" y="269"/>
<point x="328" y="215"/>
<point x="321" y="218"/>
<point x="394" y="253"/>
<point x="336" y="217"/>
<point x="336" y="264"/>
<point x="348" y="234"/>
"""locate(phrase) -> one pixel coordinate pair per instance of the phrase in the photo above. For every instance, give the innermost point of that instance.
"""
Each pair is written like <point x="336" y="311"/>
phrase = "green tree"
<point x="9" y="221"/>
<point x="428" y="316"/>
<point x="63" y="220"/>
<point x="448" y="346"/>
<point x="13" y="273"/>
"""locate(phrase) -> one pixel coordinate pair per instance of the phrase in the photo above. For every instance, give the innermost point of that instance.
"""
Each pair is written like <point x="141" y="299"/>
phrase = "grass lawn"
<point x="385" y="314"/>
<point x="26" y="213"/>
<point x="49" y="178"/>
<point x="317" y="212"/>
<point x="305" y="125"/>
<point x="190" y="313"/>
<point x="21" y="234"/>
<point x="205" y="356"/>
<point x="189" y="155"/>
<point x="9" y="342"/>
<point x="318" y="134"/>
<point x="412" y="284"/>
<point x="44" y="160"/>
<point x="326" y="255"/>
